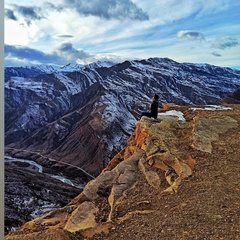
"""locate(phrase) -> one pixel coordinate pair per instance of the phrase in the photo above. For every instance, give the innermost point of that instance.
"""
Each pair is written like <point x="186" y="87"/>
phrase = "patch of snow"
<point x="44" y="208"/>
<point x="24" y="83"/>
<point x="99" y="64"/>
<point x="28" y="202"/>
<point x="211" y="108"/>
<point x="175" y="113"/>
<point x="70" y="85"/>
<point x="67" y="181"/>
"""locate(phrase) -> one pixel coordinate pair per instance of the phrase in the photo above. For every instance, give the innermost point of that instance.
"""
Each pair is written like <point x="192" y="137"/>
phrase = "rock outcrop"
<point x="177" y="178"/>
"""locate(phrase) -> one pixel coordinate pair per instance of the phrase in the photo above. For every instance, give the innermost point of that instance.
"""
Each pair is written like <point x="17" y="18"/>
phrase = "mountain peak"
<point x="167" y="183"/>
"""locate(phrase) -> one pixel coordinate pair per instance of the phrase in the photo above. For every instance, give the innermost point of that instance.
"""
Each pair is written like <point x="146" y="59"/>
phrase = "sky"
<point x="59" y="32"/>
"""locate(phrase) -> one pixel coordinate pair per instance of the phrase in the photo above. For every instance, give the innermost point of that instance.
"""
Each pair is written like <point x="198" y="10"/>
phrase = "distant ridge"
<point x="232" y="98"/>
<point x="93" y="109"/>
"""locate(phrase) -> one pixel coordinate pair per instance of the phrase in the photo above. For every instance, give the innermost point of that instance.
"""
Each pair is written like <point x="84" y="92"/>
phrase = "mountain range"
<point x="83" y="115"/>
<point x="73" y="120"/>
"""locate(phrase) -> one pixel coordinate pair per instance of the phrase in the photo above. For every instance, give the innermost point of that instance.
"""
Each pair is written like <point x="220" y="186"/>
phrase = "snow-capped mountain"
<point x="85" y="115"/>
<point x="31" y="71"/>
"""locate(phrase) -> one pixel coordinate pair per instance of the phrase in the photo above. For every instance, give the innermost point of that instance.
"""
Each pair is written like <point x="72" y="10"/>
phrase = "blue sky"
<point x="84" y="31"/>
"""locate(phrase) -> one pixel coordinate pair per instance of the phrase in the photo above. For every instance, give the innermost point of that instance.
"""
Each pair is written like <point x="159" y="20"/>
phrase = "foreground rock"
<point x="178" y="178"/>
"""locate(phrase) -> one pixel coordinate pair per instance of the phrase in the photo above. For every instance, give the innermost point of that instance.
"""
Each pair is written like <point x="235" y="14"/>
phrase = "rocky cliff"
<point x="177" y="178"/>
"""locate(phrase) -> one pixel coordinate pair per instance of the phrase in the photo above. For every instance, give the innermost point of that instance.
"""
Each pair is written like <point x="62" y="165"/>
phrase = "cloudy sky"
<point x="82" y="31"/>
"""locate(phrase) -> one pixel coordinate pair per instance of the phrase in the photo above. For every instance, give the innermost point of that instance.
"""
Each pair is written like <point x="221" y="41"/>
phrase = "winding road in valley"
<point x="32" y="165"/>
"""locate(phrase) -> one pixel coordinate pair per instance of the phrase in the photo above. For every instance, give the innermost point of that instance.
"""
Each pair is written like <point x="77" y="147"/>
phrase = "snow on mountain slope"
<point x="36" y="70"/>
<point x="104" y="96"/>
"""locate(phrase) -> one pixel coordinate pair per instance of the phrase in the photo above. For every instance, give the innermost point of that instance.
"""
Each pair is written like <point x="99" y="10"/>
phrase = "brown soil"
<point x="206" y="206"/>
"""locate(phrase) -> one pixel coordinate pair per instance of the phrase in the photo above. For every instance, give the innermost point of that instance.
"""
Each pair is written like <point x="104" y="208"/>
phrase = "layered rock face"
<point x="74" y="139"/>
<point x="177" y="178"/>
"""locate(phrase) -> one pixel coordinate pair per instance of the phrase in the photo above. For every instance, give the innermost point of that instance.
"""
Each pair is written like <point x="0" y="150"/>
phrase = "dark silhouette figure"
<point x="154" y="108"/>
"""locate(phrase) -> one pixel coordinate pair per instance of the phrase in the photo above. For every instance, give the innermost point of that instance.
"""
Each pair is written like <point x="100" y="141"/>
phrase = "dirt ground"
<point x="206" y="206"/>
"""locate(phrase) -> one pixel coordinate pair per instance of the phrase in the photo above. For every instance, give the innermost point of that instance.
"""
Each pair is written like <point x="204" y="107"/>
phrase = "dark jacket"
<point x="154" y="109"/>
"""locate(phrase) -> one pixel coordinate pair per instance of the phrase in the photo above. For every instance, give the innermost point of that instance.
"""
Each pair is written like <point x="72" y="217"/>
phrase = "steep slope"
<point x="177" y="178"/>
<point x="68" y="139"/>
<point x="85" y="117"/>
<point x="232" y="98"/>
<point x="30" y="194"/>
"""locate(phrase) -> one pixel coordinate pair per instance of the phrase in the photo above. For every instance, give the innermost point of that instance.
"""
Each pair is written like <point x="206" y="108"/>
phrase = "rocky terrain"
<point x="177" y="178"/>
<point x="84" y="115"/>
<point x="232" y="98"/>
<point x="71" y="121"/>
<point x="29" y="194"/>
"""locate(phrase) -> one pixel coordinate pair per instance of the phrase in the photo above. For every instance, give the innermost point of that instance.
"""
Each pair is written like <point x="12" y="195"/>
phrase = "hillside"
<point x="232" y="98"/>
<point x="29" y="194"/>
<point x="84" y="115"/>
<point x="177" y="178"/>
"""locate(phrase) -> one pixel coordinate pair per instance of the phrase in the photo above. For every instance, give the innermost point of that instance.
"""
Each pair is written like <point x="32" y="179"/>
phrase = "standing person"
<point x="154" y="108"/>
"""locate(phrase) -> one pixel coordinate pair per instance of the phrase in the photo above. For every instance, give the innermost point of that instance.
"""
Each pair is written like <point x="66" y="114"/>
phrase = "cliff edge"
<point x="177" y="178"/>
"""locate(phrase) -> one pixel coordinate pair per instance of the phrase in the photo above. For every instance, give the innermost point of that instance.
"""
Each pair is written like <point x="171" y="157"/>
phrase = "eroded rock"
<point x="205" y="131"/>
<point x="160" y="154"/>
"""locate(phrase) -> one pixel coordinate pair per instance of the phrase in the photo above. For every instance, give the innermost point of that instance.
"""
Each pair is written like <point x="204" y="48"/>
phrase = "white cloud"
<point x="216" y="54"/>
<point x="64" y="36"/>
<point x="108" y="9"/>
<point x="225" y="42"/>
<point x="190" y="35"/>
<point x="124" y="29"/>
<point x="171" y="10"/>
<point x="13" y="29"/>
